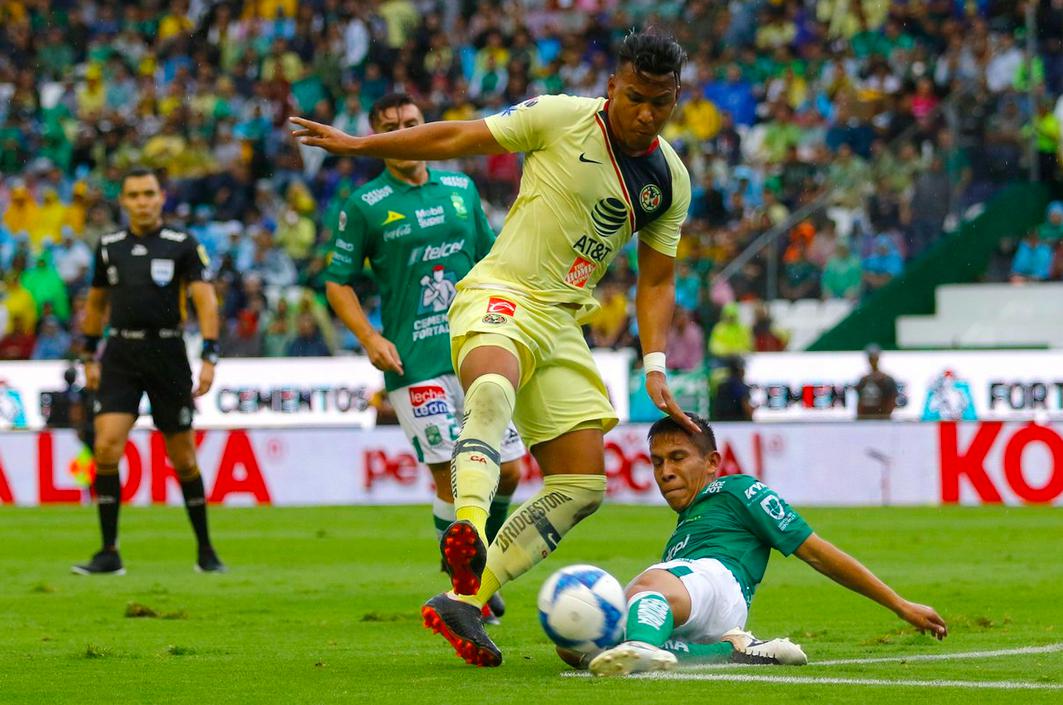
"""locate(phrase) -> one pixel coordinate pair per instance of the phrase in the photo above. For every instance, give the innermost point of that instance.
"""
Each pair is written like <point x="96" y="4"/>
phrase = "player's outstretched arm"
<point x="846" y="570"/>
<point x="432" y="141"/>
<point x="381" y="351"/>
<point x="654" y="297"/>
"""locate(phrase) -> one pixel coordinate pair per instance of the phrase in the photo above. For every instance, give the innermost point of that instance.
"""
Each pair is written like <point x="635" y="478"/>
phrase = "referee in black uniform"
<point x="144" y="274"/>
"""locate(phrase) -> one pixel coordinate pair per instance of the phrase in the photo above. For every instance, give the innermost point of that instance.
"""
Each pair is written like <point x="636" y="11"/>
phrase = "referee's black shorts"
<point x="156" y="366"/>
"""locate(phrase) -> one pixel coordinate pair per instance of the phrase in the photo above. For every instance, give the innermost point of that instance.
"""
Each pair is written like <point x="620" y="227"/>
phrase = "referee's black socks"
<point x="196" y="505"/>
<point x="108" y="498"/>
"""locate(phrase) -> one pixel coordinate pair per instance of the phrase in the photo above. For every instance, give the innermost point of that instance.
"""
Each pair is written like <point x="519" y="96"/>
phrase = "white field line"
<point x="812" y="680"/>
<point x="690" y="675"/>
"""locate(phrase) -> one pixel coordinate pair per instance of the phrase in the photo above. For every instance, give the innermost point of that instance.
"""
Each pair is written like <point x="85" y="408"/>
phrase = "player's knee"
<point x="491" y="398"/>
<point x="108" y="450"/>
<point x="187" y="471"/>
<point x="591" y="500"/>
<point x="509" y="477"/>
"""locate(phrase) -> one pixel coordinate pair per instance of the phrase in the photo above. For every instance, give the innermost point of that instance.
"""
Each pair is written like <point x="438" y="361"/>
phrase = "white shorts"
<point x="716" y="602"/>
<point x="430" y="415"/>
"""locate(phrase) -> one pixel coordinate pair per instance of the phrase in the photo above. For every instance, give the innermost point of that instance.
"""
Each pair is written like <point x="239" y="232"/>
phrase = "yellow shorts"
<point x="560" y="387"/>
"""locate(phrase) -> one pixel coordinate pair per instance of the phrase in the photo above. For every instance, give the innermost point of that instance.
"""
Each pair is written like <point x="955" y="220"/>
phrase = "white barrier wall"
<point x="859" y="464"/>
<point x="263" y="392"/>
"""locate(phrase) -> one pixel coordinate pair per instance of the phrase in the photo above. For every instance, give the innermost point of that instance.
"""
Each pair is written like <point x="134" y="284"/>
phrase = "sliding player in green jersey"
<point x="422" y="230"/>
<point x="596" y="173"/>
<point x="693" y="605"/>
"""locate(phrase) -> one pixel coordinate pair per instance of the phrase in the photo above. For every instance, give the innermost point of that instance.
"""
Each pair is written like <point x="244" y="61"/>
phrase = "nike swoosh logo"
<point x="583" y="158"/>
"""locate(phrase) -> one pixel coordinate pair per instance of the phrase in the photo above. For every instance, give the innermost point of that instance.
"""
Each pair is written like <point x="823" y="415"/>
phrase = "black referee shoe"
<point x="105" y="562"/>
<point x="208" y="562"/>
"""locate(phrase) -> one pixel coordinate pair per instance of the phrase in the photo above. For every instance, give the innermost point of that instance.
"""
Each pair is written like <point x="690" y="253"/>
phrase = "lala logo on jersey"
<point x="502" y="306"/>
<point x="580" y="272"/>
<point x="428" y="400"/>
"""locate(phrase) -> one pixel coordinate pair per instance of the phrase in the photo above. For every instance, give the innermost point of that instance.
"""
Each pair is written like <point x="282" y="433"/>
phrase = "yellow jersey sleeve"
<point x="663" y="233"/>
<point x="535" y="124"/>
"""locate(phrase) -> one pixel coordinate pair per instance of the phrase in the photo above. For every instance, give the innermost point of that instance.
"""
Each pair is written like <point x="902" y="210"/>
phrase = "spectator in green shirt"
<point x="842" y="275"/>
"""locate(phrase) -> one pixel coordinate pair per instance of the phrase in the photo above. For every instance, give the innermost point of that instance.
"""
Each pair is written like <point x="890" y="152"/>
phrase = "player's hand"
<point x="661" y="396"/>
<point x="92" y="375"/>
<point x="383" y="355"/>
<point x="923" y="618"/>
<point x="206" y="379"/>
<point x="329" y="138"/>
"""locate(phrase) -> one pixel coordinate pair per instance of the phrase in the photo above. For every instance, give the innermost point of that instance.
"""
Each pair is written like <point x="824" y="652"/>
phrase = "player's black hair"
<point x="387" y="102"/>
<point x="704" y="440"/>
<point x="136" y="172"/>
<point x="653" y="53"/>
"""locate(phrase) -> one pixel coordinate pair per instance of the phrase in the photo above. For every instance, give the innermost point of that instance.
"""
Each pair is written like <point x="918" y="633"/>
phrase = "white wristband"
<point x="653" y="362"/>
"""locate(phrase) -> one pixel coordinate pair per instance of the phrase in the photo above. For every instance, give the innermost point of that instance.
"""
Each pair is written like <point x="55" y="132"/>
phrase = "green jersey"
<point x="737" y="520"/>
<point x="420" y="242"/>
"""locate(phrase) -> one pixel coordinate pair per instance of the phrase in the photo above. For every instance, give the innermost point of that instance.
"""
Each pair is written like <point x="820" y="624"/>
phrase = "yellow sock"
<point x="476" y="515"/>
<point x="474" y="466"/>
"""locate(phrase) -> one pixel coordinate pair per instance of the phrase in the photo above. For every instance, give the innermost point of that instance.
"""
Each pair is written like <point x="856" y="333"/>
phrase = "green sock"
<point x="497" y="516"/>
<point x="649" y="618"/>
<point x="442" y="515"/>
<point x="688" y="652"/>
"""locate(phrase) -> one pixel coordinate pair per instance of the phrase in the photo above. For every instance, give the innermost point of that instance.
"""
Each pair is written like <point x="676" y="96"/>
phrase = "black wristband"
<point x="211" y="351"/>
<point x="92" y="344"/>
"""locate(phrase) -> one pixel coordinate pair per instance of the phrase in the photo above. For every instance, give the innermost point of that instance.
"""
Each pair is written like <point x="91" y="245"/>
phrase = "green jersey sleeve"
<point x="349" y="247"/>
<point x="773" y="520"/>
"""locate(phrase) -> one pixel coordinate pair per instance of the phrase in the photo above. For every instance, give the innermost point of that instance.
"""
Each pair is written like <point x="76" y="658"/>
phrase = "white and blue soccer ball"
<point x="581" y="607"/>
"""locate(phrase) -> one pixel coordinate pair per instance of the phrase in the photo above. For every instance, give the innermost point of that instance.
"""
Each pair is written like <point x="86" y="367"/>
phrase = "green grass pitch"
<point x="321" y="606"/>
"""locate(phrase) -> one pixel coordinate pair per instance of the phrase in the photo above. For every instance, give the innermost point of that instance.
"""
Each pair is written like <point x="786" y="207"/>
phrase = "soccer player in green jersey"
<point x="595" y="174"/>
<point x="422" y="230"/>
<point x="693" y="605"/>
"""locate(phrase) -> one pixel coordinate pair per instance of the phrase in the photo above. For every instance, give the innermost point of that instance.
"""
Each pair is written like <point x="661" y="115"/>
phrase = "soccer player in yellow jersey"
<point x="595" y="173"/>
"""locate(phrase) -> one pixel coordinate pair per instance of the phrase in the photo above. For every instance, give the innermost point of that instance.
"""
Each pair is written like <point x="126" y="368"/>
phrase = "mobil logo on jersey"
<point x="428" y="400"/>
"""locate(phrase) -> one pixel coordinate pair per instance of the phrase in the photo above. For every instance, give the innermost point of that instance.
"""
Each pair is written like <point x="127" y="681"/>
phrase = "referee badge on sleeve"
<point x="162" y="271"/>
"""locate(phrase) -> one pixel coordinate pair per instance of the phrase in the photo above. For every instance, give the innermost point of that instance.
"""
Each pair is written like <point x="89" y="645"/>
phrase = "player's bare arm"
<point x="381" y="351"/>
<point x="92" y="327"/>
<point x="654" y="297"/>
<point x="851" y="573"/>
<point x="433" y="141"/>
<point x="206" y="304"/>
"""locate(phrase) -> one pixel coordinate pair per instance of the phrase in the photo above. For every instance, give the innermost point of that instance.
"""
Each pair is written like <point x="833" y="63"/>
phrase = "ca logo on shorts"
<point x="162" y="271"/>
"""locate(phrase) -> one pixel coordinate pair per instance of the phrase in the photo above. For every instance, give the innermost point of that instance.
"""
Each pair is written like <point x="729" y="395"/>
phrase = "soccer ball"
<point x="581" y="607"/>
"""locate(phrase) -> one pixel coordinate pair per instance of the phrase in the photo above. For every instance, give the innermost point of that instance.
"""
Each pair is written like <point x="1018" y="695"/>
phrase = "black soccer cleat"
<point x="460" y="624"/>
<point x="464" y="556"/>
<point x="208" y="562"/>
<point x="497" y="605"/>
<point x="105" y="562"/>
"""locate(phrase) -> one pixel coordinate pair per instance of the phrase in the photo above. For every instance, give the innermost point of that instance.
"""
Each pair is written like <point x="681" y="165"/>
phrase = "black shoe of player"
<point x="208" y="562"/>
<point x="105" y="562"/>
<point x="460" y="624"/>
<point x="497" y="605"/>
<point x="464" y="555"/>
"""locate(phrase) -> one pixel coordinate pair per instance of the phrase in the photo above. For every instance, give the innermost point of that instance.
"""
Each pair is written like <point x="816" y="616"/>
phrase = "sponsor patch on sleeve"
<point x="501" y="306"/>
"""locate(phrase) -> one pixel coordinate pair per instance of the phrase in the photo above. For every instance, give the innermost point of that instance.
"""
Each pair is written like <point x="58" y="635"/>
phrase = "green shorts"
<point x="560" y="389"/>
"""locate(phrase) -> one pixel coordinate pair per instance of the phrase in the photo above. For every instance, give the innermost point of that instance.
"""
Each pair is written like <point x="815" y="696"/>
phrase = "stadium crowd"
<point x="870" y="108"/>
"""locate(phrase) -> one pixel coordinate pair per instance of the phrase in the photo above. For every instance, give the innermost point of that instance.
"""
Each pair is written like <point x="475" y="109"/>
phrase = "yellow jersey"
<point x="581" y="200"/>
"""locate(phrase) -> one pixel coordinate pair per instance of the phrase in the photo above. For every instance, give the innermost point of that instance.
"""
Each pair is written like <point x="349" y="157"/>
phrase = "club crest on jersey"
<point x="162" y="271"/>
<point x="501" y="306"/>
<point x="608" y="216"/>
<point x="494" y="319"/>
<point x="428" y="400"/>
<point x="580" y="272"/>
<point x="650" y="198"/>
